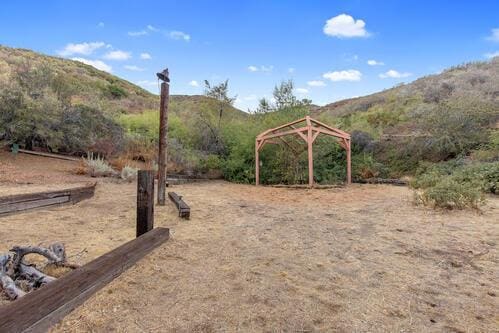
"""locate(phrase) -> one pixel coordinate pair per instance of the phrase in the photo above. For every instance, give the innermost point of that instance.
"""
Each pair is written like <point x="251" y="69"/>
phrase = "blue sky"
<point x="324" y="46"/>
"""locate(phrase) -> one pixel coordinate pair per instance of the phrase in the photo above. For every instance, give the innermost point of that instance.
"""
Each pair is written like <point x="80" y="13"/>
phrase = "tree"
<point x="283" y="95"/>
<point x="264" y="106"/>
<point x="219" y="92"/>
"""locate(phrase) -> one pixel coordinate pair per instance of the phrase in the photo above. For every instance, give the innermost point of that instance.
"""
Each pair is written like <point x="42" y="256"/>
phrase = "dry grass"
<point x="361" y="258"/>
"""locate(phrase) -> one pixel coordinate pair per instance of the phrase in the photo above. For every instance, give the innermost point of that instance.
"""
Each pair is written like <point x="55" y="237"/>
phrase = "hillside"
<point x="67" y="106"/>
<point x="395" y="110"/>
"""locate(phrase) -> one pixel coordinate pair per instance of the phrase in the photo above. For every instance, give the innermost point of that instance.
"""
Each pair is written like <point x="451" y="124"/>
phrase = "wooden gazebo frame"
<point x="308" y="133"/>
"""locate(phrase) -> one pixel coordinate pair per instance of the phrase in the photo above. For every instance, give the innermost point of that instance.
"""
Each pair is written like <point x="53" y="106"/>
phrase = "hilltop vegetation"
<point x="441" y="130"/>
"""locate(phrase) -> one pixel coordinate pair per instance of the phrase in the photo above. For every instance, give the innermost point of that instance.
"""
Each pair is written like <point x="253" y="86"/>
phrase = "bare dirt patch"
<point x="361" y="258"/>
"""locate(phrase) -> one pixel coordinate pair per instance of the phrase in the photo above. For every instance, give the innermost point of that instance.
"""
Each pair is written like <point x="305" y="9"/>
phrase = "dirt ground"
<point x="259" y="259"/>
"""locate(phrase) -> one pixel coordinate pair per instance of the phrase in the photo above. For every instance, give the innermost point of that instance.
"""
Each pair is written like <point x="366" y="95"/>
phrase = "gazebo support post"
<point x="257" y="164"/>
<point x="310" y="153"/>
<point x="349" y="161"/>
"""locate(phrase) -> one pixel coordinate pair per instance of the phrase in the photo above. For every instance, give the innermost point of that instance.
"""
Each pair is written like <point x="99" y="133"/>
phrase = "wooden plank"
<point x="20" y="206"/>
<point x="183" y="209"/>
<point x="43" y="154"/>
<point x="21" y="202"/>
<point x="44" y="307"/>
<point x="145" y="201"/>
<point x="87" y="190"/>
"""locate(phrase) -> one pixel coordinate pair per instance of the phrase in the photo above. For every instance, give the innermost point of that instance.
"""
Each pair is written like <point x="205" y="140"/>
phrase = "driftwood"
<point x="8" y="285"/>
<point x="17" y="277"/>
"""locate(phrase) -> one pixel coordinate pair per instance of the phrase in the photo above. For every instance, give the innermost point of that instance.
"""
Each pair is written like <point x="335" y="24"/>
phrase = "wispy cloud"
<point x="316" y="83"/>
<point x="117" y="55"/>
<point x="393" y="74"/>
<point x="494" y="35"/>
<point x="151" y="28"/>
<point x="101" y="25"/>
<point x="491" y="55"/>
<point x="80" y="48"/>
<point x="134" y="68"/>
<point x="291" y="70"/>
<point x="145" y="56"/>
<point x="375" y="63"/>
<point x="345" y="26"/>
<point x="346" y="75"/>
<point x="194" y="83"/>
<point x="179" y="35"/>
<point x="99" y="64"/>
<point x="262" y="68"/>
<point x="301" y="91"/>
<point x="137" y="33"/>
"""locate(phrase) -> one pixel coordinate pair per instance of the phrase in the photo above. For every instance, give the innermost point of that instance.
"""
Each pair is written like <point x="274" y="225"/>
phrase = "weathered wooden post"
<point x="163" y="135"/>
<point x="145" y="201"/>
<point x="257" y="163"/>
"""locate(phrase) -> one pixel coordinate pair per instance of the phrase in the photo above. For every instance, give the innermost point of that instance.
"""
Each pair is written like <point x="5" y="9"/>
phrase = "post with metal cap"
<point x="163" y="135"/>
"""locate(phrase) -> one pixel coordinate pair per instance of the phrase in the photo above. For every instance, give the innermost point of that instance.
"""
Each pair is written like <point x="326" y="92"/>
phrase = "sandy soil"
<point x="361" y="258"/>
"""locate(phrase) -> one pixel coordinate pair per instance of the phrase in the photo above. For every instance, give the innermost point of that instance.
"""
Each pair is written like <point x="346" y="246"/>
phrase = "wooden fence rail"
<point x="20" y="202"/>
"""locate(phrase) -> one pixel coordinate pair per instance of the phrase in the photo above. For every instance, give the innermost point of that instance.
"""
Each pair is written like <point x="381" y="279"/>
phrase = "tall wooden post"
<point x="349" y="161"/>
<point x="145" y="201"/>
<point x="257" y="164"/>
<point x="310" y="153"/>
<point x="163" y="137"/>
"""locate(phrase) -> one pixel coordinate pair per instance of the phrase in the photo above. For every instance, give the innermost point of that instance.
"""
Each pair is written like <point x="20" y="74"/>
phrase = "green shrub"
<point x="116" y="91"/>
<point x="450" y="194"/>
<point x="456" y="184"/>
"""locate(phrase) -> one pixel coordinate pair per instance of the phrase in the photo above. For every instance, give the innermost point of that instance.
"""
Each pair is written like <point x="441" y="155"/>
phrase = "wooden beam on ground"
<point x="51" y="155"/>
<point x="183" y="209"/>
<point x="42" y="308"/>
<point x="20" y="202"/>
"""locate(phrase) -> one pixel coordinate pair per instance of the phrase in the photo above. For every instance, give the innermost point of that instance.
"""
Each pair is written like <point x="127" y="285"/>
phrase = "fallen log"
<point x="40" y="309"/>
<point x="398" y="182"/>
<point x="51" y="155"/>
<point x="184" y="210"/>
<point x="7" y="283"/>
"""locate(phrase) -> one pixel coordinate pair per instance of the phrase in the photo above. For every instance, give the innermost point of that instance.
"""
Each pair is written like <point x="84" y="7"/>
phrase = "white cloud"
<point x="394" y="74"/>
<point x="134" y="68"/>
<point x="494" y="36"/>
<point x="95" y="63"/>
<point x="179" y="35"/>
<point x="145" y="56"/>
<point x="345" y="26"/>
<point x="100" y="25"/>
<point x="81" y="48"/>
<point x="316" y="83"/>
<point x="260" y="68"/>
<point x="117" y="55"/>
<point x="301" y="91"/>
<point x="194" y="83"/>
<point x="137" y="33"/>
<point x="291" y="70"/>
<point x="491" y="55"/>
<point x="375" y="63"/>
<point x="151" y="28"/>
<point x="346" y="75"/>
